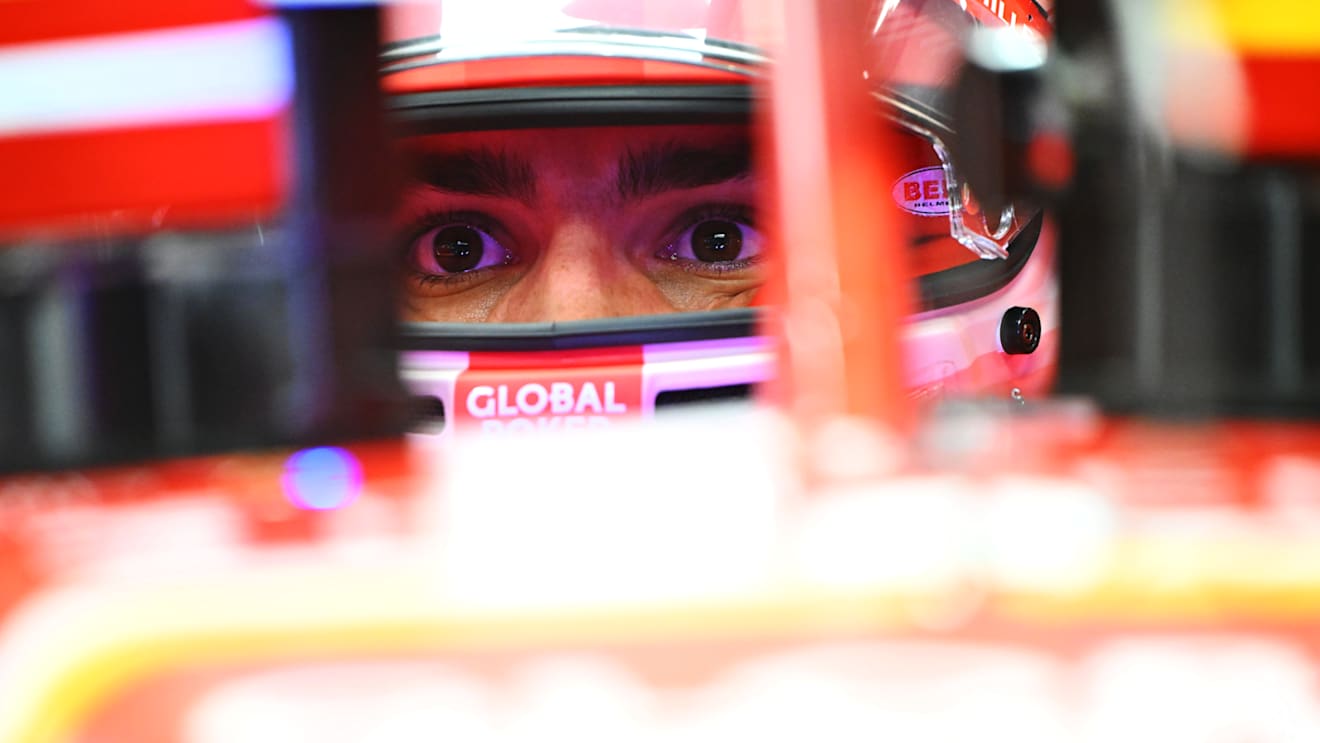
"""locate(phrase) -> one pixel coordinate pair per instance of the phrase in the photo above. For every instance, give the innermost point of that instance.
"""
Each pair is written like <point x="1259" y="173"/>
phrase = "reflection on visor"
<point x="934" y="189"/>
<point x="916" y="49"/>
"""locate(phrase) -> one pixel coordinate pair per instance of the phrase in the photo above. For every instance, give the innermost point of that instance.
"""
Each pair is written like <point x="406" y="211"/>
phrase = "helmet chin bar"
<point x="580" y="374"/>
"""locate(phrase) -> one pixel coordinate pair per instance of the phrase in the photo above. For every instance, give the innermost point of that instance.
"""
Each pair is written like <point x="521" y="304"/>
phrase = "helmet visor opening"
<point x="561" y="224"/>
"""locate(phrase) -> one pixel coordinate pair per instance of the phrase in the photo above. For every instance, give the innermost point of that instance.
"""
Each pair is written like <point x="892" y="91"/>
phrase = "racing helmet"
<point x="480" y="92"/>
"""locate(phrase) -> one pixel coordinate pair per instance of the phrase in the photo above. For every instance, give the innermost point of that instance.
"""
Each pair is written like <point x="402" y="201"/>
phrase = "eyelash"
<point x="718" y="210"/>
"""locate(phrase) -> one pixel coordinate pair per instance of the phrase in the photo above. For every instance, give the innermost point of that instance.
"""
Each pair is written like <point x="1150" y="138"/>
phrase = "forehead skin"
<point x="611" y="182"/>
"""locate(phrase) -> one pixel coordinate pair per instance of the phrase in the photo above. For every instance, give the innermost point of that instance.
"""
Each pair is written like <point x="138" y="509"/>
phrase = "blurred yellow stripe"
<point x="276" y="615"/>
<point x="146" y="635"/>
<point x="1249" y="26"/>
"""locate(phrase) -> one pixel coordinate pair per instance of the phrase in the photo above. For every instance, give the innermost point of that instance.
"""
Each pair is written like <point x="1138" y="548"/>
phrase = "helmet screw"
<point x="1019" y="330"/>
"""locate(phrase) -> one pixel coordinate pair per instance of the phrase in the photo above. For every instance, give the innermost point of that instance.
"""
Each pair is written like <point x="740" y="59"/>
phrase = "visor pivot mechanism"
<point x="1019" y="330"/>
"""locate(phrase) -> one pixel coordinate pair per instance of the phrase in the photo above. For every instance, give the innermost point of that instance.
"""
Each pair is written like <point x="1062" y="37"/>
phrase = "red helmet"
<point x="579" y="235"/>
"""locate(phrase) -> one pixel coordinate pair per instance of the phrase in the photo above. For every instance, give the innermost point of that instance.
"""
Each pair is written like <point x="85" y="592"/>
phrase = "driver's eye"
<point x="716" y="240"/>
<point x="456" y="249"/>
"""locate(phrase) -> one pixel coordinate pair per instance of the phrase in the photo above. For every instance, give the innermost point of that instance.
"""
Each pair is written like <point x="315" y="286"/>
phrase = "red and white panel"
<point x="130" y="116"/>
<point x="512" y="392"/>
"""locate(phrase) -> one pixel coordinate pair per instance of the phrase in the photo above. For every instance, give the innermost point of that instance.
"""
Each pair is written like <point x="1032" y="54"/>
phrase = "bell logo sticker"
<point x="923" y="192"/>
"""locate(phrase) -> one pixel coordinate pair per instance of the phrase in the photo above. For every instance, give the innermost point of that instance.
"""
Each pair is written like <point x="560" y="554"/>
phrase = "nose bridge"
<point x="580" y="273"/>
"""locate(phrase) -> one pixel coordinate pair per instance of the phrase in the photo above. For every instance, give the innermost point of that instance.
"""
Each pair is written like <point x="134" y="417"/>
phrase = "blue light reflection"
<point x="322" y="479"/>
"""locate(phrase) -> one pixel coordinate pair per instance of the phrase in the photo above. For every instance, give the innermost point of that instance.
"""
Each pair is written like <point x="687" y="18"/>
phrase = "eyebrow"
<point x="477" y="172"/>
<point x="674" y="166"/>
